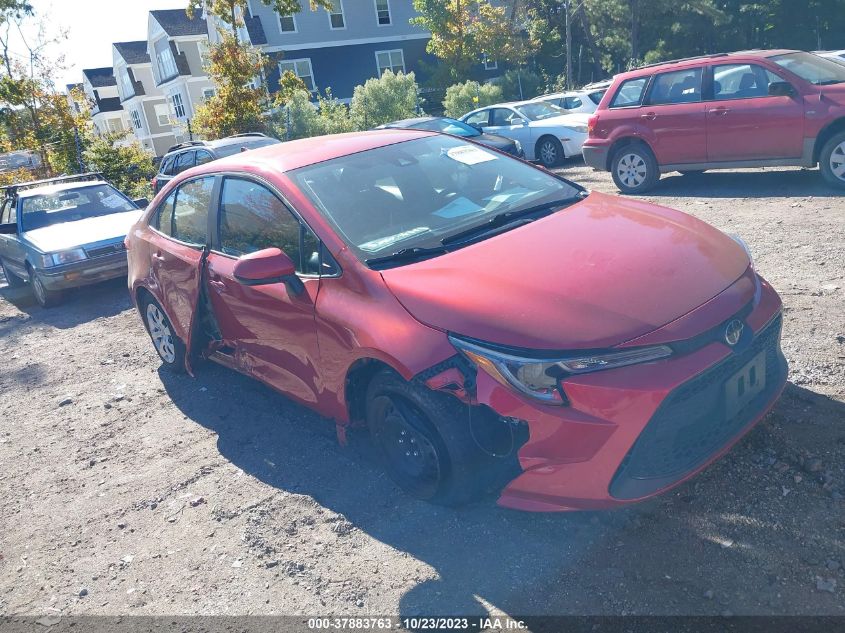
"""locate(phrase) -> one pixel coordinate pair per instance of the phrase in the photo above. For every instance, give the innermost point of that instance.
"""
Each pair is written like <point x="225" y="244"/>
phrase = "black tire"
<point x="549" y="151"/>
<point x="45" y="298"/>
<point x="11" y="278"/>
<point x="638" y="167"/>
<point x="169" y="347"/>
<point x="426" y="444"/>
<point x="832" y="160"/>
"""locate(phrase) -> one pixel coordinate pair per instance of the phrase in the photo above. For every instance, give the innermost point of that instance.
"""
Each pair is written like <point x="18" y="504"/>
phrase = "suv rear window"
<point x="630" y="93"/>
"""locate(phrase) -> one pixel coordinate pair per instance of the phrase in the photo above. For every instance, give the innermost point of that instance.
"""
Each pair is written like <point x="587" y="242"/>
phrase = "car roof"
<point x="60" y="186"/>
<point x="290" y="155"/>
<point x="686" y="62"/>
<point x="240" y="139"/>
<point x="408" y="122"/>
<point x="577" y="92"/>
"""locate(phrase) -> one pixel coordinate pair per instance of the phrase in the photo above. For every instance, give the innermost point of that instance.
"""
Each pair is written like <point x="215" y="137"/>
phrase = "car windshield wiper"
<point x="507" y="218"/>
<point x="404" y="255"/>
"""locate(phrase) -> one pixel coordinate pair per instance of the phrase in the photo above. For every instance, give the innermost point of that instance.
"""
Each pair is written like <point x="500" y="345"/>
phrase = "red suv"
<point x="489" y="322"/>
<point x="747" y="109"/>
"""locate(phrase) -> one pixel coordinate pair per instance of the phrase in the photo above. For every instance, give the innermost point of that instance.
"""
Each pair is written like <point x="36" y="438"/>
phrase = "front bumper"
<point x="82" y="273"/>
<point x="634" y="432"/>
<point x="595" y="156"/>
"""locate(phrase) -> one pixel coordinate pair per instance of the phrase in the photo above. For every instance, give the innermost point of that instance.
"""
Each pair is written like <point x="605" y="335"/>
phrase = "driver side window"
<point x="504" y="117"/>
<point x="479" y="119"/>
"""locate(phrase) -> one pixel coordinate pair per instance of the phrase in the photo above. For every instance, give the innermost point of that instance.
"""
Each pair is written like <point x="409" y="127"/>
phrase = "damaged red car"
<point x="496" y="327"/>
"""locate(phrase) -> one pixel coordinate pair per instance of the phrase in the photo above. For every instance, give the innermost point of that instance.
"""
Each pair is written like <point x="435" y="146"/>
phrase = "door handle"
<point x="720" y="111"/>
<point x="217" y="285"/>
<point x="157" y="255"/>
<point x="650" y="116"/>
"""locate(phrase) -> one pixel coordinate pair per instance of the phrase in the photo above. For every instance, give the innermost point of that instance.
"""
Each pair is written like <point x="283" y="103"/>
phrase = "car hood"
<point x="564" y="120"/>
<point x="60" y="237"/>
<point x="596" y="274"/>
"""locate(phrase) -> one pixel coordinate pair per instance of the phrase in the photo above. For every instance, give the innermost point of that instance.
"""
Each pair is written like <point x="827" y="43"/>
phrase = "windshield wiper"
<point x="405" y="255"/>
<point x="507" y="218"/>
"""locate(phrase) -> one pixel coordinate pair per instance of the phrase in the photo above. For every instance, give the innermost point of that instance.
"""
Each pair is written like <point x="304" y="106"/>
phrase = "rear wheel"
<point x="634" y="169"/>
<point x="45" y="298"/>
<point x="832" y="160"/>
<point x="170" y="348"/>
<point x="550" y="151"/>
<point x="11" y="278"/>
<point x="426" y="443"/>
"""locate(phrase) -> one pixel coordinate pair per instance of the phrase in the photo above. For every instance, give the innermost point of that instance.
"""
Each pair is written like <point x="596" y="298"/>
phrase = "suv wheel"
<point x="832" y="160"/>
<point x="170" y="348"/>
<point x="634" y="169"/>
<point x="550" y="151"/>
<point x="11" y="278"/>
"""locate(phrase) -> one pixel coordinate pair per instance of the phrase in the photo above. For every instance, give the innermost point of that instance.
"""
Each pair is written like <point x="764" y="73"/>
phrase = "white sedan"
<point x="545" y="131"/>
<point x="575" y="101"/>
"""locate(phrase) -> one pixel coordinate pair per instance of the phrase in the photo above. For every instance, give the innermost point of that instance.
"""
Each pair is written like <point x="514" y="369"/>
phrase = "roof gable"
<point x="133" y="52"/>
<point x="175" y="22"/>
<point x="100" y="77"/>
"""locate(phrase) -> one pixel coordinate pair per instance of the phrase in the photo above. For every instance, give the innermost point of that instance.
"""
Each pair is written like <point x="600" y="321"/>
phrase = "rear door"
<point x="672" y="117"/>
<point x="745" y="123"/>
<point x="181" y="232"/>
<point x="270" y="328"/>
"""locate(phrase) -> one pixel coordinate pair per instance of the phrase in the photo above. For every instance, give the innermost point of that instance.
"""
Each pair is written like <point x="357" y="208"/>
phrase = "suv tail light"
<point x="592" y="122"/>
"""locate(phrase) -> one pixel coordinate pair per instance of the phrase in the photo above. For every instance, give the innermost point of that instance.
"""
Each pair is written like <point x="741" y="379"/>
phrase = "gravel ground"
<point x="124" y="490"/>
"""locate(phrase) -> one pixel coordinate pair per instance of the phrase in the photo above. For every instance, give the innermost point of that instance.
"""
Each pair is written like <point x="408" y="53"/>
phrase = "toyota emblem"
<point x="733" y="332"/>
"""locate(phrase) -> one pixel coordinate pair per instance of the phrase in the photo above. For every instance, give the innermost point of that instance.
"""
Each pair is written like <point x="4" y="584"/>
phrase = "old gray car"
<point x="64" y="233"/>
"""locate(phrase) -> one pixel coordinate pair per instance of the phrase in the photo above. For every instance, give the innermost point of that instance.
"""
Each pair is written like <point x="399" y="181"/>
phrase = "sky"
<point x="92" y="26"/>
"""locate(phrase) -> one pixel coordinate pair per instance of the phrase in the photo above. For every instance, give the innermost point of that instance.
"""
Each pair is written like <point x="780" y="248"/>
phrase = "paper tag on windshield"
<point x="113" y="201"/>
<point x="469" y="155"/>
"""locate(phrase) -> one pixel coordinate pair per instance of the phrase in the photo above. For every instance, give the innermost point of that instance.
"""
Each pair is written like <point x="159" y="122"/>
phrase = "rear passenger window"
<point x="184" y="161"/>
<point x="190" y="213"/>
<point x="164" y="216"/>
<point x="680" y="86"/>
<point x="252" y="218"/>
<point x="571" y="103"/>
<point x="203" y="157"/>
<point x="595" y="97"/>
<point x="630" y="93"/>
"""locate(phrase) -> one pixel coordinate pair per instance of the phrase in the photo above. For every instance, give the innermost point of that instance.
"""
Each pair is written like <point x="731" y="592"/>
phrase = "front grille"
<point x="108" y="249"/>
<point x="692" y="424"/>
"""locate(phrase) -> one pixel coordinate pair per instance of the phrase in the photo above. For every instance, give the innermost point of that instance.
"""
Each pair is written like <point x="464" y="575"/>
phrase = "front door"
<point x="270" y="329"/>
<point x="672" y="117"/>
<point x="11" y="250"/>
<point x="745" y="123"/>
<point x="510" y="124"/>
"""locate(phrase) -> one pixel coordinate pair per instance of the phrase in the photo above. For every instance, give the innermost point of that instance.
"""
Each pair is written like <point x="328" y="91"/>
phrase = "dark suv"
<point x="192" y="153"/>
<point x="726" y="111"/>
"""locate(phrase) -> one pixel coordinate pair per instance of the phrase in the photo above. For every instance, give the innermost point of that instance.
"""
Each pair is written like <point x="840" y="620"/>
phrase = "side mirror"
<point x="781" y="89"/>
<point x="8" y="229"/>
<point x="141" y="203"/>
<point x="477" y="127"/>
<point x="268" y="266"/>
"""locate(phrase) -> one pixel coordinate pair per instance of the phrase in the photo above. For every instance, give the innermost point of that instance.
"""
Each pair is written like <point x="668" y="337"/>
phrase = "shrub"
<point x="389" y="98"/>
<point x="465" y="97"/>
<point x="532" y="85"/>
<point x="127" y="167"/>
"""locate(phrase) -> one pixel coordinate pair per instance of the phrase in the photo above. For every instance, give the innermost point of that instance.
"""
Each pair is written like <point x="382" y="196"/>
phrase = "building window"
<point x="208" y="93"/>
<point x="287" y="23"/>
<point x="336" y="19"/>
<point x="126" y="80"/>
<point x="178" y="106"/>
<point x="115" y="125"/>
<point x="136" y="119"/>
<point x="490" y="64"/>
<point x="301" y="68"/>
<point x="164" y="59"/>
<point x="162" y="114"/>
<point x="383" y="12"/>
<point x="390" y="60"/>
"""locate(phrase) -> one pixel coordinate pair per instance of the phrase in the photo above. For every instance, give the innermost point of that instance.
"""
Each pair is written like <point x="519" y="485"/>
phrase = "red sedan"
<point x="496" y="327"/>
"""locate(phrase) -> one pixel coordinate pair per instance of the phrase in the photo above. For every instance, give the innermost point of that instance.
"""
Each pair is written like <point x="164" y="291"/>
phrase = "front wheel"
<point x="550" y="151"/>
<point x="634" y="169"/>
<point x="45" y="298"/>
<point x="11" y="278"/>
<point x="832" y="160"/>
<point x="170" y="348"/>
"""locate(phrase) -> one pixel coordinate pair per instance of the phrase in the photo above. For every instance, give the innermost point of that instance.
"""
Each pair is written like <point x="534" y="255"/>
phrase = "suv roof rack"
<point x="683" y="59"/>
<point x="11" y="190"/>
<point x="183" y="145"/>
<point x="246" y="134"/>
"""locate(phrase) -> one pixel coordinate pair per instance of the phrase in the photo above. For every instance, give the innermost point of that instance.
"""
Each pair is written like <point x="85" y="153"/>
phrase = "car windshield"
<point x="539" y="110"/>
<point x="70" y="205"/>
<point x="416" y="193"/>
<point x="234" y="148"/>
<point x="448" y="126"/>
<point x="817" y="70"/>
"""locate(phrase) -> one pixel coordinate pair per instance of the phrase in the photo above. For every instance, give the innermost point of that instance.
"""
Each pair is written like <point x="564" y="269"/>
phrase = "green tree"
<point x="128" y="166"/>
<point x="289" y="83"/>
<point x="463" y="32"/>
<point x="231" y="11"/>
<point x="465" y="97"/>
<point x="389" y="98"/>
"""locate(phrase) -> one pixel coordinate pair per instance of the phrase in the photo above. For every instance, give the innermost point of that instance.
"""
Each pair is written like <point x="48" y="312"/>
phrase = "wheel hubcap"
<point x="160" y="333"/>
<point x="548" y="152"/>
<point x="632" y="170"/>
<point x="837" y="161"/>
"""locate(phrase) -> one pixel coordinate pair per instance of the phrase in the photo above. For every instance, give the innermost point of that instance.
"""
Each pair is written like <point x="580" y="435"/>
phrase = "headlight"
<point x="63" y="257"/>
<point x="540" y="378"/>
<point x="741" y="242"/>
<point x="581" y="129"/>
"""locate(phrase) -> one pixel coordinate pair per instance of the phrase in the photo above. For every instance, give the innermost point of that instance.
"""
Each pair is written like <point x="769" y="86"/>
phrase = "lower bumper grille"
<point x="692" y="424"/>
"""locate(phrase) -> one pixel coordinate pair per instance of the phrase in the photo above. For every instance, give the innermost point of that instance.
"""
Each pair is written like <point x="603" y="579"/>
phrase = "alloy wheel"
<point x="548" y="153"/>
<point x="160" y="333"/>
<point x="632" y="170"/>
<point x="837" y="161"/>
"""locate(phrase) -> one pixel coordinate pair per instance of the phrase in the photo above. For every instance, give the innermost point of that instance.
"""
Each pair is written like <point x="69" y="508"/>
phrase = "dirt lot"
<point x="126" y="490"/>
